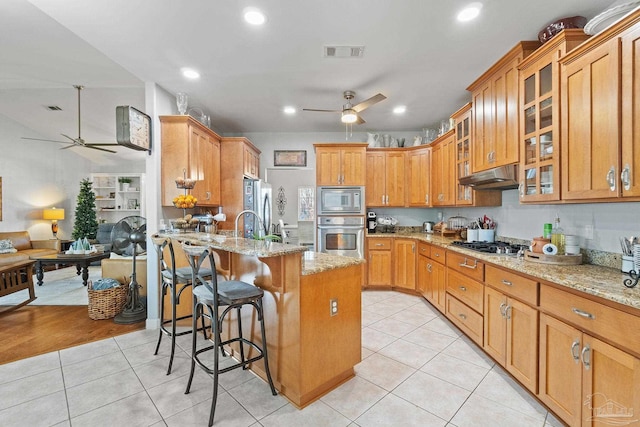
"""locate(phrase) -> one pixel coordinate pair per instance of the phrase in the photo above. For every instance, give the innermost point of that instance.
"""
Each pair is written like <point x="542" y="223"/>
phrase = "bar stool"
<point x="231" y="294"/>
<point x="174" y="282"/>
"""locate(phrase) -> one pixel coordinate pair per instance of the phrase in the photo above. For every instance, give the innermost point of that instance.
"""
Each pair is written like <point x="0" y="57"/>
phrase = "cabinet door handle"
<point x="586" y="357"/>
<point x="625" y="177"/>
<point x="502" y="309"/>
<point x="465" y="265"/>
<point x="387" y="199"/>
<point x="611" y="178"/>
<point x="574" y="353"/>
<point x="507" y="312"/>
<point x="521" y="189"/>
<point x="426" y="199"/>
<point x="429" y="268"/>
<point x="413" y="249"/>
<point x="463" y="289"/>
<point x="583" y="313"/>
<point x="506" y="282"/>
<point x="462" y="316"/>
<point x="207" y="195"/>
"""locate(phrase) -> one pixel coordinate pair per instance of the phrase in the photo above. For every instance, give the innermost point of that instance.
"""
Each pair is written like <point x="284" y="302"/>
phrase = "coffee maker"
<point x="371" y="222"/>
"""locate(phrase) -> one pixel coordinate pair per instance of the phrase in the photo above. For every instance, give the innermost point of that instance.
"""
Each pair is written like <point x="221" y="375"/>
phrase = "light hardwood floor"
<point x="33" y="330"/>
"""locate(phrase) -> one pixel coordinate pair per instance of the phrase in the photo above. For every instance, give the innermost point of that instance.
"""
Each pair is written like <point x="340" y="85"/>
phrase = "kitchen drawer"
<point x="379" y="244"/>
<point x="467" y="265"/>
<point x="466" y="290"/>
<point x="424" y="249"/>
<point x="512" y="284"/>
<point x="612" y="325"/>
<point x="438" y="254"/>
<point x="465" y="318"/>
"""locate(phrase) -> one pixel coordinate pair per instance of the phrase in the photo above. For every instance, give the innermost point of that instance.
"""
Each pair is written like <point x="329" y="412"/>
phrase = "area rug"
<point x="59" y="287"/>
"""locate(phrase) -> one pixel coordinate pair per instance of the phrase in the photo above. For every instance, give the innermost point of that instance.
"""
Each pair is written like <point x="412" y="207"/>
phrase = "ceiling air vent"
<point x="53" y="108"/>
<point x="343" y="51"/>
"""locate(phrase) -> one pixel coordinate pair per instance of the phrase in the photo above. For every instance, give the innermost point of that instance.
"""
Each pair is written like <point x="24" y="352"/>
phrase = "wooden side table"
<point x="17" y="277"/>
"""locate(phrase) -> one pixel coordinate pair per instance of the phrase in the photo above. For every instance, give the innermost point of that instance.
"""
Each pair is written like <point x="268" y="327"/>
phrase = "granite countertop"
<point x="312" y="262"/>
<point x="318" y="262"/>
<point x="239" y="245"/>
<point x="603" y="282"/>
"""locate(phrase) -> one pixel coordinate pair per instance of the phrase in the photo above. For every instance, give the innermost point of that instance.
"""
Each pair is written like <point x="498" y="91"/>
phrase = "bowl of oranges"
<point x="185" y="201"/>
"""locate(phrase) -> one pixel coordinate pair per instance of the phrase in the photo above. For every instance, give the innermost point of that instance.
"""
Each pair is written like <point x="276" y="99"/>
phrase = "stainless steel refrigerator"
<point x="258" y="198"/>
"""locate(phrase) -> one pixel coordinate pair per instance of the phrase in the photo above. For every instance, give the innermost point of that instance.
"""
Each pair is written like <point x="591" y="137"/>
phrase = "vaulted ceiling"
<point x="415" y="52"/>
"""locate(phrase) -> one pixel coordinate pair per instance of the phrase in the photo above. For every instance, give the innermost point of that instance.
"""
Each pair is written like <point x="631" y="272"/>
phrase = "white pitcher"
<point x="372" y="139"/>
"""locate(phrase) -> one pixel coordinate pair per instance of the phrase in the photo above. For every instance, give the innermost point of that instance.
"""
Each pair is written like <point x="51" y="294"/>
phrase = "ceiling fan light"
<point x="254" y="16"/>
<point x="349" y="116"/>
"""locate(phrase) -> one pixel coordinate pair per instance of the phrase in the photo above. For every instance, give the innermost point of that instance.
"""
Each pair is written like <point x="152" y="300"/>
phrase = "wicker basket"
<point x="106" y="303"/>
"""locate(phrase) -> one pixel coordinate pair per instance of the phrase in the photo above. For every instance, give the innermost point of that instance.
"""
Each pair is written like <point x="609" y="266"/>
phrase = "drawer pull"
<point x="583" y="313"/>
<point x="506" y="282"/>
<point x="465" y="265"/>
<point x="586" y="357"/>
<point x="437" y="255"/>
<point x="462" y="316"/>
<point x="463" y="289"/>
<point x="379" y="244"/>
<point x="574" y="353"/>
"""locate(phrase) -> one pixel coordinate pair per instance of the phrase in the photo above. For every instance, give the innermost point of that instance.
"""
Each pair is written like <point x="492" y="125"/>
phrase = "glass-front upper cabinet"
<point x="540" y="118"/>
<point x="462" y="118"/>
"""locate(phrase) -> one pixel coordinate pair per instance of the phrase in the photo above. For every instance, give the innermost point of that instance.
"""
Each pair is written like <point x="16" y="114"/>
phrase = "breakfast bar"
<point x="312" y="307"/>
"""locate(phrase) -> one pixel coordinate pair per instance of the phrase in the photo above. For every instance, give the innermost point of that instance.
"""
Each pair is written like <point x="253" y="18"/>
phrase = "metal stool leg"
<point x="161" y="332"/>
<point x="242" y="358"/>
<point x="264" y="346"/>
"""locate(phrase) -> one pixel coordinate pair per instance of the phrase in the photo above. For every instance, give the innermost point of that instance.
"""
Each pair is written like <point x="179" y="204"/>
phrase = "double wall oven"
<point x="341" y="221"/>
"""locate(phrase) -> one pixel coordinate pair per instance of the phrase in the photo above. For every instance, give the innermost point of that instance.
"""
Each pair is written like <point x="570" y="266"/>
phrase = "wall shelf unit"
<point x="116" y="198"/>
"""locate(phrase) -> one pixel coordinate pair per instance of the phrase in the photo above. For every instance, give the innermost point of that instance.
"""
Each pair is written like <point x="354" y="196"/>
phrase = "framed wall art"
<point x="290" y="158"/>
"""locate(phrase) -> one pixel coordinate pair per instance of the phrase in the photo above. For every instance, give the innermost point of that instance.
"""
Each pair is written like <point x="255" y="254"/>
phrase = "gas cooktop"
<point x="497" y="248"/>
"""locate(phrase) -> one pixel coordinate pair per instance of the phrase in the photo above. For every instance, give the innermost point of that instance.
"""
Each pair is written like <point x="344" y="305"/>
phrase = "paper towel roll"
<point x="550" y="249"/>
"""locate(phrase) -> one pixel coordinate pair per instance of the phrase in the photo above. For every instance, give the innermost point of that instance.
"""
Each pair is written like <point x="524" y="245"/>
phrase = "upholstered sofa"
<point x="25" y="247"/>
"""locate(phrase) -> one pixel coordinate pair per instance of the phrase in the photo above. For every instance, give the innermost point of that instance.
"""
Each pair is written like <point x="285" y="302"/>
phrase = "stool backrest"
<point x="197" y="255"/>
<point x="161" y="244"/>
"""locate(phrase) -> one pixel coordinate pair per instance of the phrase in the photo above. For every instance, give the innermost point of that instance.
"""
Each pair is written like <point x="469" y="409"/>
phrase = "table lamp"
<point x="54" y="215"/>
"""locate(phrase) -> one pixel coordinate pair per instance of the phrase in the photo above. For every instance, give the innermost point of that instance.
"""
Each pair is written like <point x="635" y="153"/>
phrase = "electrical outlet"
<point x="333" y="306"/>
<point x="588" y="232"/>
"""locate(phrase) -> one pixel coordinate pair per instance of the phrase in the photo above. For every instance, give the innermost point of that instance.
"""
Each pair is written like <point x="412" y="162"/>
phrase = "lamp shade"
<point x="53" y="214"/>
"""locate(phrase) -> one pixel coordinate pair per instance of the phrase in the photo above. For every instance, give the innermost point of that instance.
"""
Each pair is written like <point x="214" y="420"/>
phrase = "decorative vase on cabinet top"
<point x="372" y="139"/>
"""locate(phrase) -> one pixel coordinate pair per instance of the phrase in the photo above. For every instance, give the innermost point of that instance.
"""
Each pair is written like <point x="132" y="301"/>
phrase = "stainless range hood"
<point x="500" y="178"/>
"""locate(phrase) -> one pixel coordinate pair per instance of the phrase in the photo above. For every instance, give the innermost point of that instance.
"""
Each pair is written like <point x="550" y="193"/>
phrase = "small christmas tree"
<point x="86" y="224"/>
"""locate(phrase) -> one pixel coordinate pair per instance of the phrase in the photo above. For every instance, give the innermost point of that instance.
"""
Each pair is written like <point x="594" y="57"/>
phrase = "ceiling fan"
<point x="350" y="112"/>
<point x="79" y="141"/>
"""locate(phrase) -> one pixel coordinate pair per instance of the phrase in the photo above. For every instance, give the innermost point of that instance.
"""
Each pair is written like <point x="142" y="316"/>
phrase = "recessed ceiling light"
<point x="289" y="110"/>
<point x="190" y="73"/>
<point x="400" y="109"/>
<point x="470" y="12"/>
<point x="254" y="16"/>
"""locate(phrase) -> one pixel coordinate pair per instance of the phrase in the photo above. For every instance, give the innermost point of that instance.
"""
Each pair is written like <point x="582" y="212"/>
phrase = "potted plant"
<point x="125" y="181"/>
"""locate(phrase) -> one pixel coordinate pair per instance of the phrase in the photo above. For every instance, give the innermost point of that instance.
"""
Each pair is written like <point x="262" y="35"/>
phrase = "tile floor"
<point x="416" y="370"/>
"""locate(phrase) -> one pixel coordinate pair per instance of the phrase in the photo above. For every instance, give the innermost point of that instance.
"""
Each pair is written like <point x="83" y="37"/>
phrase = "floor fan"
<point x="129" y="238"/>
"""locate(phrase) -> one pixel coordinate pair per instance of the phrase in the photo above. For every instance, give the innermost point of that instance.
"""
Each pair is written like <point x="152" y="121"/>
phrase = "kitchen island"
<point x="312" y="349"/>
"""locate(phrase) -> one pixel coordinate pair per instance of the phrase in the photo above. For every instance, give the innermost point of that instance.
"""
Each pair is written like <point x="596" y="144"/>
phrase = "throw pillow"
<point x="6" y="247"/>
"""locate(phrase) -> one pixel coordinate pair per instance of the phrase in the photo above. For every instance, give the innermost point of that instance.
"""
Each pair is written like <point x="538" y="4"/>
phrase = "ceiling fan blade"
<point x="369" y="102"/>
<point x="360" y="120"/>
<point x="67" y="136"/>
<point x="98" y="148"/>
<point x="322" y="111"/>
<point x="101" y="144"/>
<point x="69" y="146"/>
<point x="47" y="140"/>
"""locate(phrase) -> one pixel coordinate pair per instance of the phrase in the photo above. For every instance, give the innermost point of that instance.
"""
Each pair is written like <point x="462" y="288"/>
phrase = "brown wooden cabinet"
<point x="190" y="148"/>
<point x="340" y="164"/>
<point x="431" y="277"/>
<point x="419" y="176"/>
<point x="584" y="380"/>
<point x="385" y="178"/>
<point x="599" y="85"/>
<point x="238" y="159"/>
<point x="443" y="179"/>
<point x="404" y="260"/>
<point x="495" y="113"/>
<point x="379" y="261"/>
<point x="540" y="118"/>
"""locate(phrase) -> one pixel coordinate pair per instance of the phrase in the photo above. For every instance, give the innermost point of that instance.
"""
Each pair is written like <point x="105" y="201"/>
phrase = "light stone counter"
<point x="312" y="262"/>
<point x="595" y="280"/>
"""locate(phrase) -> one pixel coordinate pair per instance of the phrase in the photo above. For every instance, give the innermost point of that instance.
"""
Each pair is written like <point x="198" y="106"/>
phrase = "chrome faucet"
<point x="251" y="212"/>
